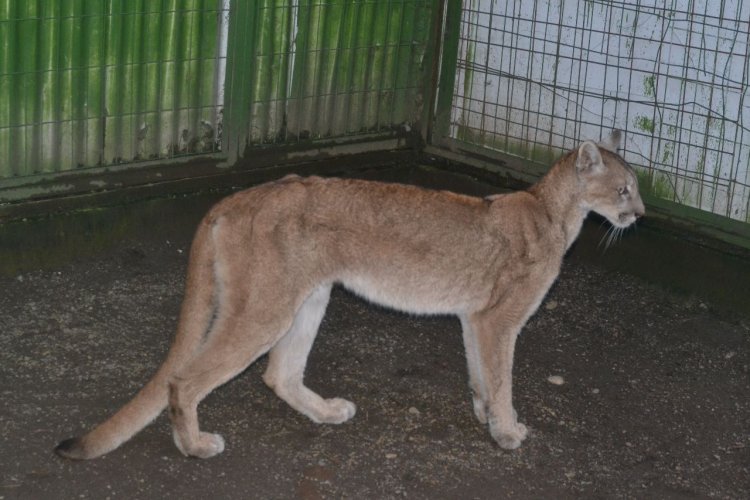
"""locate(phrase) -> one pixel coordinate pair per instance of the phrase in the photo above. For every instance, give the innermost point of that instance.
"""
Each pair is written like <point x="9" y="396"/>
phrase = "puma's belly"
<point x="417" y="296"/>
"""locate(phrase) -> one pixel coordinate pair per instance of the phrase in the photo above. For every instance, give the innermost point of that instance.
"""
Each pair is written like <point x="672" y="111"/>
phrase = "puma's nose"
<point x="640" y="210"/>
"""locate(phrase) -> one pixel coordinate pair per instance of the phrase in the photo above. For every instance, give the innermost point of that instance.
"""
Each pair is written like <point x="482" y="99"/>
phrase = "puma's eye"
<point x="623" y="191"/>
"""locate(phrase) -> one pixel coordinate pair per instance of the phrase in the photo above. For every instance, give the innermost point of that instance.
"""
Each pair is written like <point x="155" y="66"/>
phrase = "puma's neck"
<point x="559" y="192"/>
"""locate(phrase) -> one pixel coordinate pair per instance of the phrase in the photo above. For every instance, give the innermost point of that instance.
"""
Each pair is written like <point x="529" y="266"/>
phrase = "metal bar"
<point x="362" y="66"/>
<point x="7" y="36"/>
<point x="449" y="59"/>
<point x="237" y="101"/>
<point x="338" y="105"/>
<point x="262" y="97"/>
<point x="431" y="76"/>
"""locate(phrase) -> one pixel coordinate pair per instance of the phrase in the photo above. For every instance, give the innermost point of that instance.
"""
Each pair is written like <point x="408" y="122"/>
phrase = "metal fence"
<point x="86" y="84"/>
<point x="535" y="77"/>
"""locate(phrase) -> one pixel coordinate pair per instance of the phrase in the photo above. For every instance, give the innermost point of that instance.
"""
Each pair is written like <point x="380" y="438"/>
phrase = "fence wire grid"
<point x="535" y="78"/>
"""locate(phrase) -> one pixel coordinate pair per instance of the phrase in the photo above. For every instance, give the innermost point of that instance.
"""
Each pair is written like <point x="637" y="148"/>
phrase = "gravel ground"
<point x="650" y="396"/>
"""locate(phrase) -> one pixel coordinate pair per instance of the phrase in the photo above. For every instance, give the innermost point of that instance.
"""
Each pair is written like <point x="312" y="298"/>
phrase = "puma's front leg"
<point x="476" y="379"/>
<point x="494" y="338"/>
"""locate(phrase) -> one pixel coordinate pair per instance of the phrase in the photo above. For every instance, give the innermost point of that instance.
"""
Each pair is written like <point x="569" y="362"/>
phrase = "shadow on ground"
<point x="655" y="400"/>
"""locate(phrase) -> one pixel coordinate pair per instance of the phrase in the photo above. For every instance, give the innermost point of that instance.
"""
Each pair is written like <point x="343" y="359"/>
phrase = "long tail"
<point x="195" y="318"/>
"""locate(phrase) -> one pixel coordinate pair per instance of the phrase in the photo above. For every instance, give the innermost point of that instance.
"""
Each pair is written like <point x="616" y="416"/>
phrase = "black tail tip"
<point x="71" y="448"/>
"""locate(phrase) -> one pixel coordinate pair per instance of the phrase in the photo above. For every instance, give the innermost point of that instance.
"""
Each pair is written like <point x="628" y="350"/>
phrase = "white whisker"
<point x="606" y="238"/>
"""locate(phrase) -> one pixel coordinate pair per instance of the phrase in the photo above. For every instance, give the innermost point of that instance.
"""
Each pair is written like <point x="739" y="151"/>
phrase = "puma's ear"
<point x="589" y="159"/>
<point x="613" y="142"/>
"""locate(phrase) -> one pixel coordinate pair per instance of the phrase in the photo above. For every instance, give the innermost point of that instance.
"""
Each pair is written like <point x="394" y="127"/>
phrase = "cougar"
<point x="263" y="262"/>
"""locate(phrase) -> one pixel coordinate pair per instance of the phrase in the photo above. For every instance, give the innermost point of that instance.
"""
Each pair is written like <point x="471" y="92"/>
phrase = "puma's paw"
<point x="338" y="411"/>
<point x="510" y="439"/>
<point x="480" y="410"/>
<point x="207" y="446"/>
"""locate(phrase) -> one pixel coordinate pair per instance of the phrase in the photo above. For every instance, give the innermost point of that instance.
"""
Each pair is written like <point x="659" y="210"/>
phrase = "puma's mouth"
<point x="625" y="219"/>
<point x="619" y="224"/>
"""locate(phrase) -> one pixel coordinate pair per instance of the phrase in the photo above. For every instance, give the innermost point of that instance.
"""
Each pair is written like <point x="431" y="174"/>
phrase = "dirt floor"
<point x="655" y="399"/>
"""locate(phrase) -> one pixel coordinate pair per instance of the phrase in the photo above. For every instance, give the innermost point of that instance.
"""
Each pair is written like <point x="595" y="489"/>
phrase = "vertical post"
<point x="443" y="78"/>
<point x="241" y="50"/>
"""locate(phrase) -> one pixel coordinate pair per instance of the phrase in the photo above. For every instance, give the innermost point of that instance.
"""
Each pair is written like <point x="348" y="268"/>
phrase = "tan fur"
<point x="263" y="262"/>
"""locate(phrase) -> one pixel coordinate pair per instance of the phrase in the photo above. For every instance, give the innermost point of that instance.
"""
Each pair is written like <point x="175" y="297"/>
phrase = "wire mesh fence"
<point x="100" y="83"/>
<point x="535" y="78"/>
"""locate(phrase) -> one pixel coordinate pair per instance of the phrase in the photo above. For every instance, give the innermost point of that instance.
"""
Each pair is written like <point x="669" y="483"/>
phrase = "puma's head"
<point x="610" y="186"/>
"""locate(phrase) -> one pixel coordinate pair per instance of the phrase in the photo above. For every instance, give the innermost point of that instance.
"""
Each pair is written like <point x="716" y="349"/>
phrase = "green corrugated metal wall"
<point x="300" y="70"/>
<point x="358" y="66"/>
<point x="91" y="83"/>
<point x="87" y="83"/>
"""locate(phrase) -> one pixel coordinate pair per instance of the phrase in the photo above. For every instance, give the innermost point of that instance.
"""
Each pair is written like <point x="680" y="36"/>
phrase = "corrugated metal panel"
<point x="88" y="83"/>
<point x="314" y="69"/>
<point x="357" y="66"/>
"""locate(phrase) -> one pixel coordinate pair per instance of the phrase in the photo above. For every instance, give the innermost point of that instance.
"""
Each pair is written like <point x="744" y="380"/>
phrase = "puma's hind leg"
<point x="288" y="358"/>
<point x="237" y="339"/>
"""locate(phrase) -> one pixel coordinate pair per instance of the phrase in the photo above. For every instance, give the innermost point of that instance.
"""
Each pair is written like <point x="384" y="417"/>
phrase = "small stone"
<point x="551" y="305"/>
<point x="390" y="456"/>
<point x="595" y="391"/>
<point x="555" y="379"/>
<point x="730" y="355"/>
<point x="414" y="411"/>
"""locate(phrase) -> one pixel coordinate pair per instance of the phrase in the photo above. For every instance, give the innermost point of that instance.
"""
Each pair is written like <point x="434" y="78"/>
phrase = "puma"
<point x="264" y="260"/>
